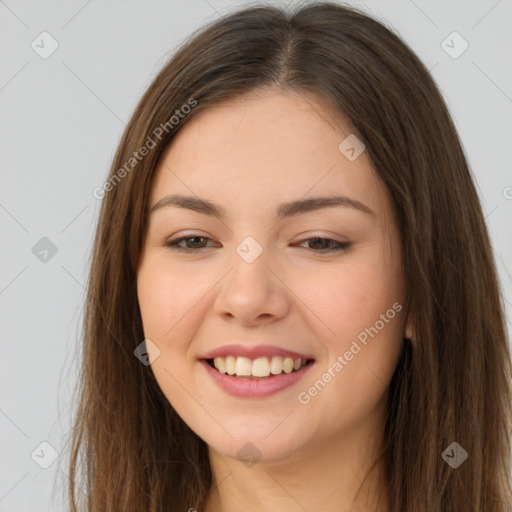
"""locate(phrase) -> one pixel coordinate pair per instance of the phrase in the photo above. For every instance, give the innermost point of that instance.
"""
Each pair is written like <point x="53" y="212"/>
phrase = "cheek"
<point x="166" y="301"/>
<point x="360" y="307"/>
<point x="167" y="298"/>
<point x="350" y="297"/>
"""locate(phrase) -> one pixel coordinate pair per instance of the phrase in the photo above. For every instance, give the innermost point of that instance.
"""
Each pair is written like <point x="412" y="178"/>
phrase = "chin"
<point x="252" y="445"/>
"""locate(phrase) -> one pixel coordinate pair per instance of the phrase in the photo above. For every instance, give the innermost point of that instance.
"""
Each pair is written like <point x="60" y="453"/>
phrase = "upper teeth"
<point x="259" y="367"/>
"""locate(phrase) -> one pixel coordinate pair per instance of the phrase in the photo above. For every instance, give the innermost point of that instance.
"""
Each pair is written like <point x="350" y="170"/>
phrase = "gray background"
<point x="61" y="119"/>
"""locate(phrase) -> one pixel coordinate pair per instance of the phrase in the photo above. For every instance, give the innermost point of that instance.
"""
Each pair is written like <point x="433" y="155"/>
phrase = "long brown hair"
<point x="129" y="449"/>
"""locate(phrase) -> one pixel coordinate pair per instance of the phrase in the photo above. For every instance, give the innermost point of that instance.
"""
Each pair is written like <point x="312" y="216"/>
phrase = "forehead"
<point x="263" y="148"/>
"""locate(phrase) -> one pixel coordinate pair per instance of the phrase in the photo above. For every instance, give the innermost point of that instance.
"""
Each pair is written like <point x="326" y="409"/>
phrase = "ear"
<point x="408" y="330"/>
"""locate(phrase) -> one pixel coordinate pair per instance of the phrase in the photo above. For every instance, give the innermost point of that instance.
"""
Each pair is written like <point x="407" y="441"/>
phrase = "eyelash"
<point x="338" y="247"/>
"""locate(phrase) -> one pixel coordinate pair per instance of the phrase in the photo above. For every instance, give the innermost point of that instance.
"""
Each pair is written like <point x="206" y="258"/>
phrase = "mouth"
<point x="260" y="368"/>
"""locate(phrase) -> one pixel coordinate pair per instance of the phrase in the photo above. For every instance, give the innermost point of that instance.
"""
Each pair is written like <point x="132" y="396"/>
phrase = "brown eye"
<point x="196" y="243"/>
<point x="326" y="245"/>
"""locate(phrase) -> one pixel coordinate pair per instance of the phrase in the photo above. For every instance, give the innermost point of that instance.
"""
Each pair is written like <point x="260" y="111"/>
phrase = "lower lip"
<point x="250" y="388"/>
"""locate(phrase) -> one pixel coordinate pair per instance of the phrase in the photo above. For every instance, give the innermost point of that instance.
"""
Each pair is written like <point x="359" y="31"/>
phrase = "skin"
<point x="248" y="155"/>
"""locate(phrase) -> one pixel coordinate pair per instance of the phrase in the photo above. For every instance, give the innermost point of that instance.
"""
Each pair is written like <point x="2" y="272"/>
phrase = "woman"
<point x="293" y="303"/>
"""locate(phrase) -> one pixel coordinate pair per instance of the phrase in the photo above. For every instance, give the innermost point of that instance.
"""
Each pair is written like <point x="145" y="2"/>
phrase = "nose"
<point x="253" y="293"/>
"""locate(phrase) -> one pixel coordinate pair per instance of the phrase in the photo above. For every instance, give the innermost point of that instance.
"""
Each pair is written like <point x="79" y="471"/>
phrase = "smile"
<point x="259" y="368"/>
<point x="254" y="386"/>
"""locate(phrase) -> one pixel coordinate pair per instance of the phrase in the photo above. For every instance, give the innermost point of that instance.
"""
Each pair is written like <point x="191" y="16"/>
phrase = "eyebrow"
<point x="283" y="210"/>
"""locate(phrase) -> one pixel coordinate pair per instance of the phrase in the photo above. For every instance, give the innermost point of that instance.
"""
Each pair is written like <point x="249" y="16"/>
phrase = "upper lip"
<point x="253" y="352"/>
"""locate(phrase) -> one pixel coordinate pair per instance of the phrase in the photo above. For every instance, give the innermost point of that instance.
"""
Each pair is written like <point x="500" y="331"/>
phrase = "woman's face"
<point x="258" y="286"/>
